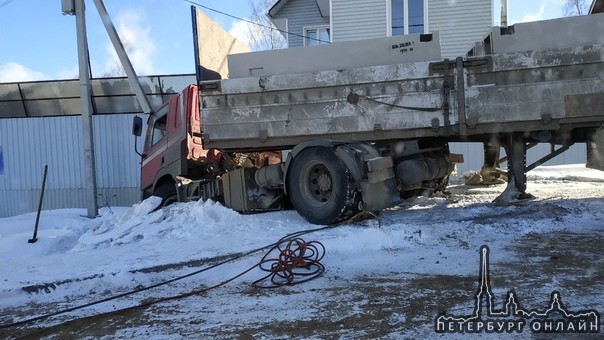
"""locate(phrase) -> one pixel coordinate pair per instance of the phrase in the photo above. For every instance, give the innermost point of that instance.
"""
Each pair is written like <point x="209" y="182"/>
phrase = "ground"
<point x="388" y="277"/>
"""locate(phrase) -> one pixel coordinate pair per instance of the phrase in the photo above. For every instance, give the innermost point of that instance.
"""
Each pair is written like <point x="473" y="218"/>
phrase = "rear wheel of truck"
<point x="320" y="187"/>
<point x="167" y="193"/>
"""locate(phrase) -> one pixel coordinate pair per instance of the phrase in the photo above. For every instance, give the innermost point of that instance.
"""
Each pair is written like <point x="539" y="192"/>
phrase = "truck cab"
<point x="173" y="147"/>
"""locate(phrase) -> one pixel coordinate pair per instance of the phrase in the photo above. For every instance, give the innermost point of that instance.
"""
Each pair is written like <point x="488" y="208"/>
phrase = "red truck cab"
<point x="173" y="147"/>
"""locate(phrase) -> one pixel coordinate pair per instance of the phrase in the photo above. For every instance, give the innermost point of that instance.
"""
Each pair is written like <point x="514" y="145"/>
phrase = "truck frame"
<point x="361" y="138"/>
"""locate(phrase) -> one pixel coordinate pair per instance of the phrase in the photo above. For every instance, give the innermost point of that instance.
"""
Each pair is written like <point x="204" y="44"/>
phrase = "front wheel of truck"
<point x="320" y="187"/>
<point x="167" y="193"/>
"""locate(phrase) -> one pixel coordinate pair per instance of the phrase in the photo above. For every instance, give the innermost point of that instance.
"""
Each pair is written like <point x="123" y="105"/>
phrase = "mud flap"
<point x="595" y="150"/>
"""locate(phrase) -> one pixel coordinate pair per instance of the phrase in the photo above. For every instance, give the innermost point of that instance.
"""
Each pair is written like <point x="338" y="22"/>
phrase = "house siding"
<point x="358" y="19"/>
<point x="460" y="23"/>
<point x="300" y="14"/>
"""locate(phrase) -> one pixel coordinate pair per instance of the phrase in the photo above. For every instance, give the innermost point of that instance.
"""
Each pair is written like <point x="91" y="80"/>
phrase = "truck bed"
<point x="465" y="99"/>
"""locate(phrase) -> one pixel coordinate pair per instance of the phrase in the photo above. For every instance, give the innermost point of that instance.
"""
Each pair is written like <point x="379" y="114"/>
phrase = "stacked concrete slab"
<point x="547" y="34"/>
<point x="337" y="56"/>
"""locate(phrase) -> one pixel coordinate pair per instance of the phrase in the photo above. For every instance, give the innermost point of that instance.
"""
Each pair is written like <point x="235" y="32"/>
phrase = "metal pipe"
<point x="35" y="236"/>
<point x="504" y="13"/>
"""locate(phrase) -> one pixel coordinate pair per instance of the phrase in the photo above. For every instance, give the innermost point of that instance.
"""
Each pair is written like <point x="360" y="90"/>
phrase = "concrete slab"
<point x="337" y="56"/>
<point x="548" y="34"/>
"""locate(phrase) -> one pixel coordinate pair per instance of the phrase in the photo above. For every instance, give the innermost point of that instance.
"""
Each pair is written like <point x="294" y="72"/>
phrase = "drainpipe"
<point x="504" y="13"/>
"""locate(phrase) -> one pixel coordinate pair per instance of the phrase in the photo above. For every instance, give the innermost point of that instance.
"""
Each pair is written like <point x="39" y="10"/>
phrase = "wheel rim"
<point x="317" y="183"/>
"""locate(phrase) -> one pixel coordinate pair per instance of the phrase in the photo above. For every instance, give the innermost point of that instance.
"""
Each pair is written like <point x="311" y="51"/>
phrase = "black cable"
<point x="297" y="258"/>
<point x="231" y="259"/>
<point x="353" y="99"/>
<point x="6" y="3"/>
<point x="255" y="23"/>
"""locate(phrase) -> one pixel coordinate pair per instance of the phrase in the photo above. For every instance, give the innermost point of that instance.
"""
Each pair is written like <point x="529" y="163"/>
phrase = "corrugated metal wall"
<point x="474" y="154"/>
<point x="358" y="19"/>
<point x="300" y="14"/>
<point x="30" y="143"/>
<point x="461" y="24"/>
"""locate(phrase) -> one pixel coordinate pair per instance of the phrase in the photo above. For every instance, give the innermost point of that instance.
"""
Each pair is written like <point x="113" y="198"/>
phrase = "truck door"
<point x="156" y="144"/>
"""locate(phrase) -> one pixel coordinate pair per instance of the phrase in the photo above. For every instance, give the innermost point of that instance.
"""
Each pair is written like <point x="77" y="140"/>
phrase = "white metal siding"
<point x="474" y="154"/>
<point x="461" y="23"/>
<point x="30" y="143"/>
<point x="300" y="14"/>
<point x="358" y="19"/>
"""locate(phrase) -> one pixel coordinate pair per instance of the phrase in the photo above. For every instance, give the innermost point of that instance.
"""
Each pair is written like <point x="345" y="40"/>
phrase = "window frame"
<point x="406" y="18"/>
<point x="161" y="114"/>
<point x="305" y="30"/>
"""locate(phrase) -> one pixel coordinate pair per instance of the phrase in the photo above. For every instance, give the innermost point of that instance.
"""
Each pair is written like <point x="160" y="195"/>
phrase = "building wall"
<point x="30" y="143"/>
<point x="474" y="154"/>
<point x="358" y="19"/>
<point x="300" y="14"/>
<point x="461" y="23"/>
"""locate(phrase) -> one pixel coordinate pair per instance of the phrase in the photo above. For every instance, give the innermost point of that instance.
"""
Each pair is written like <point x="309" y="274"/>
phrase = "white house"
<point x="460" y="23"/>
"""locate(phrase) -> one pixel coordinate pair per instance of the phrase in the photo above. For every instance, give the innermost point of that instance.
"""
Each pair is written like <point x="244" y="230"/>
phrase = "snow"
<point x="77" y="260"/>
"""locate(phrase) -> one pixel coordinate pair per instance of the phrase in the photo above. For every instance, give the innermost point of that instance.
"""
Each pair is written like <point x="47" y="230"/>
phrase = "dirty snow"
<point x="77" y="260"/>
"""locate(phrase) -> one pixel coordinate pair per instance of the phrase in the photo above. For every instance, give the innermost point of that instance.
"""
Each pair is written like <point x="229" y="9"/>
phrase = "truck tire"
<point x="320" y="187"/>
<point x="167" y="192"/>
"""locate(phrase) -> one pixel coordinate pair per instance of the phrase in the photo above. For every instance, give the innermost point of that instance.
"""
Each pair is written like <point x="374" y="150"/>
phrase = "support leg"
<point x="490" y="172"/>
<point x="516" y="188"/>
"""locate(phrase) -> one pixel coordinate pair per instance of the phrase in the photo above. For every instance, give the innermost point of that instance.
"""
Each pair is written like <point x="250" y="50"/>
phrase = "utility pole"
<point x="77" y="8"/>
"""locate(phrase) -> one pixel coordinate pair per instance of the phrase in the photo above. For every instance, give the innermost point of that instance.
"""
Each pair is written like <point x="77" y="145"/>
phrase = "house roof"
<point x="597" y="6"/>
<point x="276" y="7"/>
<point x="62" y="97"/>
<point x="323" y="6"/>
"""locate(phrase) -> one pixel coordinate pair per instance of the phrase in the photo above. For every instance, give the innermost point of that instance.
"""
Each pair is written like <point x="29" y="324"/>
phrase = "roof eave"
<point x="276" y="7"/>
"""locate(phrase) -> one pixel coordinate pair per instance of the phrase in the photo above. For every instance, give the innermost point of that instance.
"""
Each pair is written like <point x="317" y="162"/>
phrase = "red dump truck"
<point x="360" y="135"/>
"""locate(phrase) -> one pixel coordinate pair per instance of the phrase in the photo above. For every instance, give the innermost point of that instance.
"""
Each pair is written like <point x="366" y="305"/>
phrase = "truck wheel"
<point x="167" y="192"/>
<point x="320" y="187"/>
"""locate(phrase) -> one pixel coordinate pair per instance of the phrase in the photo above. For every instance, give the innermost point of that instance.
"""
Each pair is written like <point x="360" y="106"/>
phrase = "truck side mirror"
<point x="137" y="126"/>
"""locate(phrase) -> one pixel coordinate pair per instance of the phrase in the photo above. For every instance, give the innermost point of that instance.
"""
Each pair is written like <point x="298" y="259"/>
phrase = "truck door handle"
<point x="162" y="160"/>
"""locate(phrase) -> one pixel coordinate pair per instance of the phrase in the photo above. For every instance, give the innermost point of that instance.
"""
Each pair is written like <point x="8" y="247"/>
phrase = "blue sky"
<point x="38" y="42"/>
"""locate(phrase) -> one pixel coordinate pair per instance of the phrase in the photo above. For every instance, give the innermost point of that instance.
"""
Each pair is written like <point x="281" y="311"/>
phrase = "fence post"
<point x="35" y="237"/>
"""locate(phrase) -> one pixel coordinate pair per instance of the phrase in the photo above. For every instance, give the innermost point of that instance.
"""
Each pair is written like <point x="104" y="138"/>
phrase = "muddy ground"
<point x="382" y="303"/>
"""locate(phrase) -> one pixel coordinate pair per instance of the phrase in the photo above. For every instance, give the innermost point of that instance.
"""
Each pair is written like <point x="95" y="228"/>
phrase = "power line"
<point x="5" y="3"/>
<point x="254" y="23"/>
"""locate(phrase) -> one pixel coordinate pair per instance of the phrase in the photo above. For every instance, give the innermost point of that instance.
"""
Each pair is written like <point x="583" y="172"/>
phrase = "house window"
<point x="317" y="36"/>
<point x="408" y="16"/>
